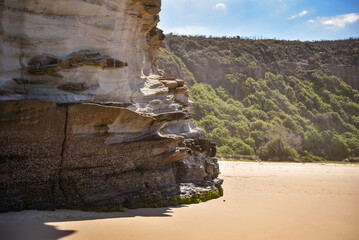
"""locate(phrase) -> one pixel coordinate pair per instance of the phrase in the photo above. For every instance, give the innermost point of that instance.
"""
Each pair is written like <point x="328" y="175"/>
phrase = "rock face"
<point x="84" y="121"/>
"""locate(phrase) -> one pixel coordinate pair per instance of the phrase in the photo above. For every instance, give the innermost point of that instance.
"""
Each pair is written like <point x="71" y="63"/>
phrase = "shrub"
<point x="225" y="150"/>
<point x="277" y="148"/>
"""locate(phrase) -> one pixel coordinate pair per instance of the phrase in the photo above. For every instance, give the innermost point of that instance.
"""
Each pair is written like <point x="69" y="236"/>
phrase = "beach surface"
<point x="261" y="201"/>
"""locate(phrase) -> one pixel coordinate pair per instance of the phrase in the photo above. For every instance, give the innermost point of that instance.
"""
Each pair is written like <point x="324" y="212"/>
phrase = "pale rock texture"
<point x="85" y="122"/>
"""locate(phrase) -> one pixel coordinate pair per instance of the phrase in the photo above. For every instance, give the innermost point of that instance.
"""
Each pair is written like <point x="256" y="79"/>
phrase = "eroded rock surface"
<point x="84" y="121"/>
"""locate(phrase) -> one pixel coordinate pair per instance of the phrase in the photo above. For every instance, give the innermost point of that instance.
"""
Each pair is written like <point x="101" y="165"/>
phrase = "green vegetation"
<point x="198" y="198"/>
<point x="307" y="115"/>
<point x="254" y="104"/>
<point x="156" y="202"/>
<point x="171" y="61"/>
<point x="164" y="54"/>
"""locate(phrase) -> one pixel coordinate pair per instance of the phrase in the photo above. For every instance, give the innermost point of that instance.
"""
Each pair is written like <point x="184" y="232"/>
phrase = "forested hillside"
<point x="275" y="99"/>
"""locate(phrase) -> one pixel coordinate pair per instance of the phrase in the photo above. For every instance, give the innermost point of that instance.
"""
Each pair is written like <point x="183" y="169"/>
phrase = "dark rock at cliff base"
<point x="80" y="155"/>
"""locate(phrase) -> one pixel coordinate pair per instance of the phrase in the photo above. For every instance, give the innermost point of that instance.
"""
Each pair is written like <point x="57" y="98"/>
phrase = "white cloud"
<point x="301" y="14"/>
<point x="339" y="21"/>
<point x="220" y="6"/>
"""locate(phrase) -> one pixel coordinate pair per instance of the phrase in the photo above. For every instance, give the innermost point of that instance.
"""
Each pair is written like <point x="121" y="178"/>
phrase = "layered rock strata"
<point x="84" y="122"/>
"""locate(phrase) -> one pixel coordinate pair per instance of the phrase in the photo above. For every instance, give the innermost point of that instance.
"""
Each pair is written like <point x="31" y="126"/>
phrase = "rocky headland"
<point x="86" y="120"/>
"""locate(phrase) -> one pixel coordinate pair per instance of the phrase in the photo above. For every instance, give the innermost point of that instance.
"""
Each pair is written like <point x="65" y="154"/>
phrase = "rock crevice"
<point x="58" y="183"/>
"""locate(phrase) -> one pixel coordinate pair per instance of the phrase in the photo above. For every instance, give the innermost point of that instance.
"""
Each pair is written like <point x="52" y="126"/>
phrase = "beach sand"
<point x="261" y="201"/>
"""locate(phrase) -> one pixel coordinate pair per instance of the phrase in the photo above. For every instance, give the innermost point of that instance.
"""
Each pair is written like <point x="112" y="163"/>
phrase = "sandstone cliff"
<point x="84" y="120"/>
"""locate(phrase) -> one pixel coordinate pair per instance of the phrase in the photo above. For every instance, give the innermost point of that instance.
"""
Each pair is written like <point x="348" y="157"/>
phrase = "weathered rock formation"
<point x="84" y="122"/>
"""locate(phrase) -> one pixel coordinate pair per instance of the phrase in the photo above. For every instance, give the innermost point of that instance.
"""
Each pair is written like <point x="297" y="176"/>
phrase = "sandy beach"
<point x="261" y="201"/>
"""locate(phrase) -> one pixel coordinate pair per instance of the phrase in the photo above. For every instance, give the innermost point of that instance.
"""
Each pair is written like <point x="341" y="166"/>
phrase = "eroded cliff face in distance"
<point x="208" y="60"/>
<point x="84" y="120"/>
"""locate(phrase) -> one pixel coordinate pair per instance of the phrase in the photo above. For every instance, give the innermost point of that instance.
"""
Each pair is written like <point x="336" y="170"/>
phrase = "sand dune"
<point x="261" y="201"/>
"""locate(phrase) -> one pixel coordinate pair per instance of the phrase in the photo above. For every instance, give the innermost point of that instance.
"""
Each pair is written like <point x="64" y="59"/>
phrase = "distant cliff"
<point x="84" y="121"/>
<point x="210" y="59"/>
<point x="281" y="100"/>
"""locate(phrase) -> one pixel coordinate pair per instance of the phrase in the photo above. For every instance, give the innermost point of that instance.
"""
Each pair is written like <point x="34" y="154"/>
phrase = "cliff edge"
<point x="85" y="122"/>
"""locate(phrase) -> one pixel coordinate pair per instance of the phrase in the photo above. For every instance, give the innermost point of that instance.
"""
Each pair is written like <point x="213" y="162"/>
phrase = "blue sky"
<point x="281" y="19"/>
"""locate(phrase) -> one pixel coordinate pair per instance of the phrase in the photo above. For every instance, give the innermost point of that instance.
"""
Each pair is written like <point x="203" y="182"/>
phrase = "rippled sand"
<point x="261" y="201"/>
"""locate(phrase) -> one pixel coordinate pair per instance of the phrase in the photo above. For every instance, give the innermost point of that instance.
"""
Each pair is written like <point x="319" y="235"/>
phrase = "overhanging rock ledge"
<point x="85" y="122"/>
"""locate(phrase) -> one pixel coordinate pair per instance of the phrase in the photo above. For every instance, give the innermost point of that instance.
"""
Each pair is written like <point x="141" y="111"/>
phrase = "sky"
<point x="304" y="20"/>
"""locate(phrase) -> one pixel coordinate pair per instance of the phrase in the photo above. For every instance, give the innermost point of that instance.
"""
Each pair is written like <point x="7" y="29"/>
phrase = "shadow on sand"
<point x="33" y="224"/>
